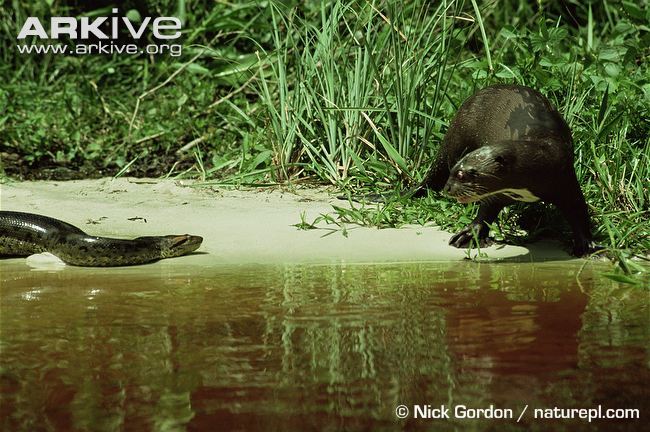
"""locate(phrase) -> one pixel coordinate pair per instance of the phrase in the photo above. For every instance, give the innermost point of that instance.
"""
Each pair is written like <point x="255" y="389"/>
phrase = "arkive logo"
<point x="83" y="28"/>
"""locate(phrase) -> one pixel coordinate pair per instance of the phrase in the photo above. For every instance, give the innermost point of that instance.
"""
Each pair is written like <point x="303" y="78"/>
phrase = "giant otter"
<point x="508" y="143"/>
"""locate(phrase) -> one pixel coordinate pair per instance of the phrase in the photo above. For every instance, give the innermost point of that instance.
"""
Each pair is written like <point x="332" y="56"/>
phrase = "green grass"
<point x="354" y="94"/>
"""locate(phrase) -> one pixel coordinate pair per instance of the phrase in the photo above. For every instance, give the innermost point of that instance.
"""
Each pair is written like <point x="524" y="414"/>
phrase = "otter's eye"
<point x="460" y="174"/>
<point x="500" y="160"/>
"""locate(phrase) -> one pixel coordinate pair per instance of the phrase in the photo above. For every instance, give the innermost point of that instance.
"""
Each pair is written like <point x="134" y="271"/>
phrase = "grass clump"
<point x="337" y="109"/>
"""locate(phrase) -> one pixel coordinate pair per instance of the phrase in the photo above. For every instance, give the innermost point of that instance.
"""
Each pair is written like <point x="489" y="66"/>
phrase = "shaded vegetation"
<point x="356" y="94"/>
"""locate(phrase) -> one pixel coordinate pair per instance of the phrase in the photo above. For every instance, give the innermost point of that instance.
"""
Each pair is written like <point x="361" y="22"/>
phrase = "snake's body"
<point x="24" y="234"/>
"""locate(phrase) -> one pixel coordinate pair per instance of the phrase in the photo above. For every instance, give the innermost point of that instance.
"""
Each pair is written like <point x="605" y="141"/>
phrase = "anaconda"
<point x="24" y="234"/>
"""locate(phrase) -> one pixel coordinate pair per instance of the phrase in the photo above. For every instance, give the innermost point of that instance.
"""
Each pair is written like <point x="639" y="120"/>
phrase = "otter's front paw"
<point x="469" y="235"/>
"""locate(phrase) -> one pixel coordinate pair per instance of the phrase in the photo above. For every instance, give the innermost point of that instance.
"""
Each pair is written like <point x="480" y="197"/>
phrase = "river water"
<point x="321" y="347"/>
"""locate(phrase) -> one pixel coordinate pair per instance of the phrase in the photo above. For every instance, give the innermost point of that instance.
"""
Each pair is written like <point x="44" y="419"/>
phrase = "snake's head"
<point x="177" y="245"/>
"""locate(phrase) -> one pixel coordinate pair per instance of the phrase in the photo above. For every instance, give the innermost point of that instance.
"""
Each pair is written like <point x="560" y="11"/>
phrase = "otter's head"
<point x="489" y="170"/>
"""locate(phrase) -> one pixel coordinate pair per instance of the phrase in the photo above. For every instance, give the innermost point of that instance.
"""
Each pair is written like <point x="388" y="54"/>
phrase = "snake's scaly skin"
<point x="24" y="234"/>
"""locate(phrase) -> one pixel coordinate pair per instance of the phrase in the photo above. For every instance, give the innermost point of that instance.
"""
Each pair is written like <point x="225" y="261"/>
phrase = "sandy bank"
<point x="238" y="226"/>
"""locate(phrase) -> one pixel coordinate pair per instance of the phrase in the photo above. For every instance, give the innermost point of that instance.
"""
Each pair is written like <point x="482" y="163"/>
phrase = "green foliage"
<point x="354" y="94"/>
<point x="339" y="109"/>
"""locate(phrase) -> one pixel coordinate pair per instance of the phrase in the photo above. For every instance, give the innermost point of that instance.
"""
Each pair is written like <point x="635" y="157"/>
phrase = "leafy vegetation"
<point x="356" y="94"/>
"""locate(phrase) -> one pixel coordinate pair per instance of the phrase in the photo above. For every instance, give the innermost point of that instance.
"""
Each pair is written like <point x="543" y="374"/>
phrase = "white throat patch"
<point x="519" y="194"/>
<point x="523" y="195"/>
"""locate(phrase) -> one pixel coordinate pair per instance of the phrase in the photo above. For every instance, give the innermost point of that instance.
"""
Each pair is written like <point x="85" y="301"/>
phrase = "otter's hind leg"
<point x="478" y="229"/>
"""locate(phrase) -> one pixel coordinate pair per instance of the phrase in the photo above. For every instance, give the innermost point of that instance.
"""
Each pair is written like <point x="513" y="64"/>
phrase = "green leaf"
<point x="603" y="106"/>
<point x="134" y="16"/>
<point x="612" y="54"/>
<point x="181" y="12"/>
<point x="617" y="277"/>
<point x="193" y="68"/>
<point x="633" y="9"/>
<point x="508" y="32"/>
<point x="261" y="157"/>
<point x="393" y="154"/>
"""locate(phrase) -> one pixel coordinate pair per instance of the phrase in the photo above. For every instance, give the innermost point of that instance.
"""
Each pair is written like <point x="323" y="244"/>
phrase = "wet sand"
<point x="241" y="226"/>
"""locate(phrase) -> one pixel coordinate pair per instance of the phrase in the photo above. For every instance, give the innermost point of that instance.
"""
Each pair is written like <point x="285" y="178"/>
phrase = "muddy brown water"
<point x="327" y="347"/>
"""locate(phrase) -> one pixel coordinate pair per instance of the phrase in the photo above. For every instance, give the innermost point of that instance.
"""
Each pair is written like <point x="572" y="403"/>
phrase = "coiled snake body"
<point x="24" y="234"/>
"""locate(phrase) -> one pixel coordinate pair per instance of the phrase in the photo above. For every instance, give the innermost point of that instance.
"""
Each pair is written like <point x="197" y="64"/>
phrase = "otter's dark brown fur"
<point x="508" y="143"/>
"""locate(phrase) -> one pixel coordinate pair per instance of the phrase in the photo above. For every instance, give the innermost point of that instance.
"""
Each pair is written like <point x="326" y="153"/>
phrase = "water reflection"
<point x="316" y="347"/>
